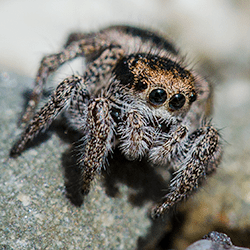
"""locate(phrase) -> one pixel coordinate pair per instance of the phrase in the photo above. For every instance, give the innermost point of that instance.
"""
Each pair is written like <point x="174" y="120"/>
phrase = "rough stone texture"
<point x="36" y="214"/>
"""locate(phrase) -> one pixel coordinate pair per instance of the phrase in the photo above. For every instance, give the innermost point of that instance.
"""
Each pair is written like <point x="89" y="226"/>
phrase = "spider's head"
<point x="161" y="83"/>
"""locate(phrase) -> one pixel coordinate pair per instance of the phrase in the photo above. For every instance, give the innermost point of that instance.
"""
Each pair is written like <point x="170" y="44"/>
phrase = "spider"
<point x="135" y="94"/>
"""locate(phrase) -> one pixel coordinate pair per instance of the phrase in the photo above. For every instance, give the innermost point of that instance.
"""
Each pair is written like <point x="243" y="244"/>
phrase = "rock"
<point x="215" y="240"/>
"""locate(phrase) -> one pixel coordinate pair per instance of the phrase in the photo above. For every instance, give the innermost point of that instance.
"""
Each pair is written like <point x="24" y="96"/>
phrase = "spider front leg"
<point x="202" y="154"/>
<point x="71" y="93"/>
<point x="98" y="141"/>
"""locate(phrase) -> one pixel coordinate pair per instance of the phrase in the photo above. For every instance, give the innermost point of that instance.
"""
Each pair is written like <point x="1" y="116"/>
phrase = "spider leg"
<point x="98" y="141"/>
<point x="60" y="99"/>
<point x="97" y="70"/>
<point x="135" y="135"/>
<point x="94" y="74"/>
<point x="69" y="93"/>
<point x="168" y="146"/>
<point x="91" y="46"/>
<point x="203" y="154"/>
<point x="76" y="36"/>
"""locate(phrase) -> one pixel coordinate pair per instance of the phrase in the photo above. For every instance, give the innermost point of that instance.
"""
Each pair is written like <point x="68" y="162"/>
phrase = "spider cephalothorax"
<point x="135" y="95"/>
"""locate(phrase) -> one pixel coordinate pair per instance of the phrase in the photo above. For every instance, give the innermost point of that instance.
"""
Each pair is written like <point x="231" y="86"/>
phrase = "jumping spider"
<point x="137" y="95"/>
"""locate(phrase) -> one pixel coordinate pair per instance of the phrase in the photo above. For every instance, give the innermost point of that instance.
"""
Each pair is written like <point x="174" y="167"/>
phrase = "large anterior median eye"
<point x="158" y="96"/>
<point x="177" y="101"/>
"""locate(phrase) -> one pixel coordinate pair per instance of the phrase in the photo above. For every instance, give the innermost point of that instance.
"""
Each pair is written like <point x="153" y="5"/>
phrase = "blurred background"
<point x="214" y="35"/>
<point x="217" y="30"/>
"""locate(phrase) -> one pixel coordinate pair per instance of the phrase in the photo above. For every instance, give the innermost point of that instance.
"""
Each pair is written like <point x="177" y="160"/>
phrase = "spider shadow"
<point x="141" y="177"/>
<point x="147" y="185"/>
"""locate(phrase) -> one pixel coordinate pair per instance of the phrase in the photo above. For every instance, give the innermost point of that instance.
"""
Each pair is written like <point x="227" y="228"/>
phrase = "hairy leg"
<point x="203" y="154"/>
<point x="51" y="63"/>
<point x="76" y="36"/>
<point x="98" y="141"/>
<point x="94" y="74"/>
<point x="72" y="91"/>
<point x="168" y="146"/>
<point x="135" y="135"/>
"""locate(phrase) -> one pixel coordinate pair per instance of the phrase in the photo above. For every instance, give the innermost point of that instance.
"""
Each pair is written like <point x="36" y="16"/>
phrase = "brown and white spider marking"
<point x="136" y="95"/>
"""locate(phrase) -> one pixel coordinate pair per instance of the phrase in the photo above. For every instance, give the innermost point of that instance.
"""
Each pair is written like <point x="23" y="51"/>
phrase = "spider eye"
<point x="141" y="85"/>
<point x="177" y="101"/>
<point x="116" y="114"/>
<point x="158" y="96"/>
<point x="192" y="97"/>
